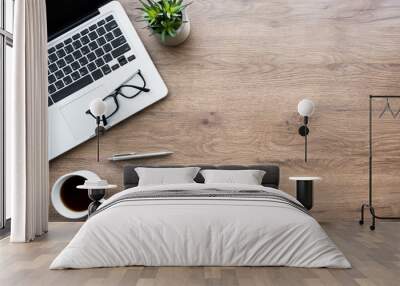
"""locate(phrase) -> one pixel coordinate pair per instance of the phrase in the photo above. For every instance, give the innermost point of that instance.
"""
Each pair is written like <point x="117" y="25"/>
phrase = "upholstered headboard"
<point x="271" y="177"/>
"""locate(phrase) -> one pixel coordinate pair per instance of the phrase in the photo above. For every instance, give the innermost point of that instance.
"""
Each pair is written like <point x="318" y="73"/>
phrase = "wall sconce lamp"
<point x="305" y="109"/>
<point x="98" y="109"/>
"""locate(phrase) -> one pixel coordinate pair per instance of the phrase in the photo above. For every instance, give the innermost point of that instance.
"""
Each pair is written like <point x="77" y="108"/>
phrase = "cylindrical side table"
<point x="96" y="192"/>
<point x="304" y="190"/>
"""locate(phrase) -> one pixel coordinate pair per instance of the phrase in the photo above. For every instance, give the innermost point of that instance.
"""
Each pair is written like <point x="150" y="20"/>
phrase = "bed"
<point x="198" y="224"/>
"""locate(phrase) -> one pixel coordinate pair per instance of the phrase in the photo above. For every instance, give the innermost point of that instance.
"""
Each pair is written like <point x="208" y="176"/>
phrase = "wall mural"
<point x="102" y="58"/>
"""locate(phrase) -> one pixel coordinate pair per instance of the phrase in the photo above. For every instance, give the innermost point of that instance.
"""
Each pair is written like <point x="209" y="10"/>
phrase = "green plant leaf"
<point x="163" y="17"/>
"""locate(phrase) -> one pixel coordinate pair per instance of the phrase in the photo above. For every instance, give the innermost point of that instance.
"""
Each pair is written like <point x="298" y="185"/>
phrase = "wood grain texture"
<point x="235" y="84"/>
<point x="374" y="257"/>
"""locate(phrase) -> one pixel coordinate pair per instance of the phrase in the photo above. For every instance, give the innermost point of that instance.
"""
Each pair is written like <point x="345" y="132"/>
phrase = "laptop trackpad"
<point x="82" y="125"/>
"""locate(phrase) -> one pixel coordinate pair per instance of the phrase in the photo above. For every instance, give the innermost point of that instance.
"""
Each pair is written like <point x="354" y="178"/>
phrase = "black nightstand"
<point x="304" y="190"/>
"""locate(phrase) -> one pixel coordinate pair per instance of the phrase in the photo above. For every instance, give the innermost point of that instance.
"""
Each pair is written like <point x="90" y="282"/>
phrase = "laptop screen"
<point x="62" y="14"/>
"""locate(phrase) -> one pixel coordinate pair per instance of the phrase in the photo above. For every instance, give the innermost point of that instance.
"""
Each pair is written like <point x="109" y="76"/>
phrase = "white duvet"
<point x="200" y="231"/>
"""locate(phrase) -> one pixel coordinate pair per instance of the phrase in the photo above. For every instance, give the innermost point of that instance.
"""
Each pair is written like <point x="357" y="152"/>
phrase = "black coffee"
<point x="74" y="199"/>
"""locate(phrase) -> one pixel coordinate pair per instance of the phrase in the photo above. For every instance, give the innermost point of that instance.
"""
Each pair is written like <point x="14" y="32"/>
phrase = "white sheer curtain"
<point x="26" y="118"/>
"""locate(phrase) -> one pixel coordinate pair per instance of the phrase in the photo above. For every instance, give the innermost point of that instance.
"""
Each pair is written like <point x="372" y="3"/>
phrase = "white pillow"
<point x="165" y="176"/>
<point x="248" y="177"/>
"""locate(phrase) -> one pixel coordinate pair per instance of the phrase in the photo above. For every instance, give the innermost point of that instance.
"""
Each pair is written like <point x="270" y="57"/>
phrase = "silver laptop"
<point x="93" y="50"/>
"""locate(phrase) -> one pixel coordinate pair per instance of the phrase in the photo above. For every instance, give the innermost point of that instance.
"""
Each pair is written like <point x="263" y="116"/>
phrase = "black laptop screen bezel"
<point x="63" y="15"/>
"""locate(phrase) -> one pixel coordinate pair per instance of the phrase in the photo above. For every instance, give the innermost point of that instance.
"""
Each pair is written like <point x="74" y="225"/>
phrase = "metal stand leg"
<point x="373" y="216"/>
<point x="372" y="210"/>
<point x="361" y="222"/>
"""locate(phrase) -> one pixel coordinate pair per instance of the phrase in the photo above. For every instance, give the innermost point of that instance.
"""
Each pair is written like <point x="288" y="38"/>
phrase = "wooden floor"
<point x="375" y="257"/>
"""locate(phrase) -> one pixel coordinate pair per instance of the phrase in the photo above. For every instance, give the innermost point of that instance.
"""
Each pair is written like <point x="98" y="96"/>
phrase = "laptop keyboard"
<point x="85" y="57"/>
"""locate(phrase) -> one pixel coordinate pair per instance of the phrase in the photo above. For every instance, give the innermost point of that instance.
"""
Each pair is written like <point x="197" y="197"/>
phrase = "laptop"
<point x="93" y="49"/>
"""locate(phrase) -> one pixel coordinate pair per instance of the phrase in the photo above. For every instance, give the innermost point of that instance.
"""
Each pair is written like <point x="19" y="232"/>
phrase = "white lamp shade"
<point x="97" y="107"/>
<point x="305" y="107"/>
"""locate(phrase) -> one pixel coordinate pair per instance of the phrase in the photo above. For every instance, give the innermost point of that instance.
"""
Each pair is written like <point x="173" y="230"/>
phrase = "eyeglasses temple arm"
<point x="114" y="96"/>
<point x="144" y="89"/>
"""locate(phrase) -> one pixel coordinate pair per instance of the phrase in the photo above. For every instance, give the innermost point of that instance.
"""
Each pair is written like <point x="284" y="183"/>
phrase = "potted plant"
<point x="167" y="19"/>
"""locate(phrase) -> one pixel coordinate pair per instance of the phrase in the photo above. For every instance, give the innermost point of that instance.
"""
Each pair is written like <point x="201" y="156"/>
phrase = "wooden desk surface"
<point x="234" y="88"/>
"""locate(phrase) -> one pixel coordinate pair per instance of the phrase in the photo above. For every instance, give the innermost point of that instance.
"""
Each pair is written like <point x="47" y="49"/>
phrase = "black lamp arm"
<point x="100" y="130"/>
<point x="104" y="119"/>
<point x="303" y="131"/>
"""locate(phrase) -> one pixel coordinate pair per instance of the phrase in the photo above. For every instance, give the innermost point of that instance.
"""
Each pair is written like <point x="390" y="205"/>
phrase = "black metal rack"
<point x="394" y="115"/>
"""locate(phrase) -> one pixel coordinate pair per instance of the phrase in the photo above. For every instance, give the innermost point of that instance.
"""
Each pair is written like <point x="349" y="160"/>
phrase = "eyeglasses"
<point x="127" y="91"/>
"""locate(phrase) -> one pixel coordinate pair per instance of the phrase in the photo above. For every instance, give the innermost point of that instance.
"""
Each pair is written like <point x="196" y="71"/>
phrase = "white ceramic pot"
<point x="69" y="201"/>
<point x="181" y="34"/>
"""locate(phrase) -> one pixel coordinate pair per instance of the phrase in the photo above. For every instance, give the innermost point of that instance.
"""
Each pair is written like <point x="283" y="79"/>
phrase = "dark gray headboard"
<point x="271" y="177"/>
